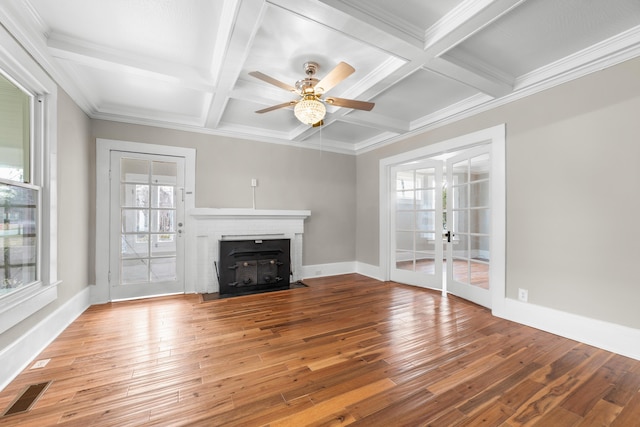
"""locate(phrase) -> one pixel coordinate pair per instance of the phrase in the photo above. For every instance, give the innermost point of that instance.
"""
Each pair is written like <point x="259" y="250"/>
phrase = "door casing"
<point x="100" y="292"/>
<point x="495" y="137"/>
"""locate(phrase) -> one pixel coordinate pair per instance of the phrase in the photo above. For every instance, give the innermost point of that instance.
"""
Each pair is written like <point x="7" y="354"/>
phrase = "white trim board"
<point x="605" y="335"/>
<point x="324" y="270"/>
<point x="19" y="354"/>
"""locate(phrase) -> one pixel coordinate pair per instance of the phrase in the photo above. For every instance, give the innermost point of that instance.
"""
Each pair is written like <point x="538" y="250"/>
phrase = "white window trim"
<point x="22" y="68"/>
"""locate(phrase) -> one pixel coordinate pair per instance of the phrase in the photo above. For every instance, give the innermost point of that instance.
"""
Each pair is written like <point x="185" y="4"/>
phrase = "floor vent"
<point x="26" y="400"/>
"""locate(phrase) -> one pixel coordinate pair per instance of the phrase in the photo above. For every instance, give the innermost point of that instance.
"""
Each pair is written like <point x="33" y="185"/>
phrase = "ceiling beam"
<point x="465" y="20"/>
<point x="103" y="58"/>
<point x="462" y="22"/>
<point x="248" y="16"/>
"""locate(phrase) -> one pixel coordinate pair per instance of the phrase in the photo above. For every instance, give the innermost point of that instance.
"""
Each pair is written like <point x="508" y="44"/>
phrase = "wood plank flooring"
<point x="347" y="350"/>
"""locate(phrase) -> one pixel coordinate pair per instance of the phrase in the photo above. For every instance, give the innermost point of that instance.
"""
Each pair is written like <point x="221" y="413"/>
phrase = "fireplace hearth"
<point x="254" y="266"/>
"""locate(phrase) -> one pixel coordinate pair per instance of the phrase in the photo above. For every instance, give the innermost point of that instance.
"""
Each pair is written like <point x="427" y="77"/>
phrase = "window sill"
<point x="18" y="305"/>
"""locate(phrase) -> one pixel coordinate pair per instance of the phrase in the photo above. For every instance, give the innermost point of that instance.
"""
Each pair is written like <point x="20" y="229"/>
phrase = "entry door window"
<point x="146" y="227"/>
<point x="148" y="212"/>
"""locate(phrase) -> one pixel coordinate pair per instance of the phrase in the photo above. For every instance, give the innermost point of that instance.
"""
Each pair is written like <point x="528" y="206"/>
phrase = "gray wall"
<point x="75" y="215"/>
<point x="288" y="178"/>
<point x="573" y="186"/>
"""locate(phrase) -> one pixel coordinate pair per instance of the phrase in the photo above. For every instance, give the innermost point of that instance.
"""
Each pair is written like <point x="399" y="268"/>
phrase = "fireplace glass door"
<point x="147" y="216"/>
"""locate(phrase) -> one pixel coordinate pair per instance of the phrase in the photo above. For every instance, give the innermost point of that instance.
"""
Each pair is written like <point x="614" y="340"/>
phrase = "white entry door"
<point x="146" y="225"/>
<point x="416" y="224"/>
<point x="468" y="219"/>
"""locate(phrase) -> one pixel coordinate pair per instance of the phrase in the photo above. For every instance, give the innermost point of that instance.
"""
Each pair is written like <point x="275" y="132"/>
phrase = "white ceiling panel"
<point x="544" y="31"/>
<point x="186" y="63"/>
<point x="426" y="93"/>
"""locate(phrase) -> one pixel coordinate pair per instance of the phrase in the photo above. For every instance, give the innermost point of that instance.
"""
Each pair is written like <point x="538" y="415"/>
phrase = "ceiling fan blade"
<point x="276" y="107"/>
<point x="271" y="80"/>
<point x="335" y="76"/>
<point x="350" y="103"/>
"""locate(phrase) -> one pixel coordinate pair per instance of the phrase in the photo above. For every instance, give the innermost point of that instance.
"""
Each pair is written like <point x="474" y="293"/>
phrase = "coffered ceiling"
<point x="185" y="64"/>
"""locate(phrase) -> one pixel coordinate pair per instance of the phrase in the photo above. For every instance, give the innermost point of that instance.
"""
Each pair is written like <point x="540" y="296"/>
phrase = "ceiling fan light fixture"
<point x="309" y="110"/>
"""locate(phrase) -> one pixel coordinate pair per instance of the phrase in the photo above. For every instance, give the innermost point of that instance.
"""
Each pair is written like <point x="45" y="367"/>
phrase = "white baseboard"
<point x="608" y="336"/>
<point x="369" y="270"/>
<point x="322" y="270"/>
<point x="334" y="269"/>
<point x="19" y="354"/>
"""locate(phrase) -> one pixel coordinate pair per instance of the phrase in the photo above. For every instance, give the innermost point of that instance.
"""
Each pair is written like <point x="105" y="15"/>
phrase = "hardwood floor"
<point x="345" y="350"/>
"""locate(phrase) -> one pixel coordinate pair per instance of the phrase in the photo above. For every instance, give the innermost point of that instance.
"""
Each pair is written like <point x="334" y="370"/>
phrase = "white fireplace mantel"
<point x="210" y="225"/>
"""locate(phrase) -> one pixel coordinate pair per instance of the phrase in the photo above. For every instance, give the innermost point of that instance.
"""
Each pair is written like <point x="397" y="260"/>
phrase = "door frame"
<point x="100" y="293"/>
<point x="495" y="137"/>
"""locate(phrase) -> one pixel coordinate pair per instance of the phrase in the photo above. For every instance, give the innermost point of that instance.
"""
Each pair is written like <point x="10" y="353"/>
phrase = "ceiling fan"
<point x="310" y="108"/>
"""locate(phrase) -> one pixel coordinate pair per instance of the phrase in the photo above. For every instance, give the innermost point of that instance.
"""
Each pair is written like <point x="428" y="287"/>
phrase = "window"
<point x="19" y="202"/>
<point x="28" y="212"/>
<point x="15" y="134"/>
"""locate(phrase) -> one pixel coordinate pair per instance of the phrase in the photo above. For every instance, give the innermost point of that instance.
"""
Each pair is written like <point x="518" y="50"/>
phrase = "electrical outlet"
<point x="523" y="295"/>
<point x="254" y="182"/>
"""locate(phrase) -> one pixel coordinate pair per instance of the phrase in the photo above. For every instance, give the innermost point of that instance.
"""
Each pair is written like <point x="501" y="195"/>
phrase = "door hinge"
<point x="109" y="277"/>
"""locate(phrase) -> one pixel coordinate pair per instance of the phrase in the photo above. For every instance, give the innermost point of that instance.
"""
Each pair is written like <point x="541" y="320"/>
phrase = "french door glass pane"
<point x="480" y="221"/>
<point x="461" y="270"/>
<point x="404" y="220"/>
<point x="460" y="221"/>
<point x="404" y="260"/>
<point x="426" y="220"/>
<point x="425" y="178"/>
<point x="479" y="274"/>
<point x="479" y="194"/>
<point x="404" y="180"/>
<point x="480" y="247"/>
<point x="426" y="199"/>
<point x="404" y="240"/>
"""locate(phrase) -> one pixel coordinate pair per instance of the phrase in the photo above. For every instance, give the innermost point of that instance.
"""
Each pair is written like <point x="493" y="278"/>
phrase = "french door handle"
<point x="449" y="234"/>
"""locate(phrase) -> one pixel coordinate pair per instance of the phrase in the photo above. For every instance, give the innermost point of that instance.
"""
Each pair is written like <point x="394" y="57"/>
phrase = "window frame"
<point x="20" y="67"/>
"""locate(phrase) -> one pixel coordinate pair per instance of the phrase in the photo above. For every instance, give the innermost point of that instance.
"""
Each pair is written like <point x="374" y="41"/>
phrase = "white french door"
<point x="146" y="242"/>
<point x="416" y="224"/>
<point x="468" y="219"/>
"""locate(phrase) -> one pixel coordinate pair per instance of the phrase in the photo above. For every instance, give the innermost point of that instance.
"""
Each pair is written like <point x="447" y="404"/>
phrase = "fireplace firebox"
<point x="254" y="266"/>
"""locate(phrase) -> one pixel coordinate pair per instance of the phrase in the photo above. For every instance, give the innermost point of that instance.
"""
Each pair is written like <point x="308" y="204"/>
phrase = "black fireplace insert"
<point x="254" y="266"/>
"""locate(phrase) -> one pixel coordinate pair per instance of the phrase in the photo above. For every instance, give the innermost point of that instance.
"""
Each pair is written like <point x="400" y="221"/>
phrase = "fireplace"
<point x="213" y="225"/>
<point x="254" y="266"/>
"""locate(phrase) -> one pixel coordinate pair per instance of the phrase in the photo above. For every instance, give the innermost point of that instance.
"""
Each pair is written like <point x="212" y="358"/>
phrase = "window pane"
<point x="134" y="271"/>
<point x="164" y="173"/>
<point x="15" y="119"/>
<point x="18" y="237"/>
<point x="134" y="195"/>
<point x="163" y="269"/>
<point x="134" y="170"/>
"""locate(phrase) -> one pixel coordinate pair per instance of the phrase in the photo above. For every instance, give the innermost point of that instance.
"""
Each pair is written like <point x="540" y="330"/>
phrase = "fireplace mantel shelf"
<point x="236" y="213"/>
